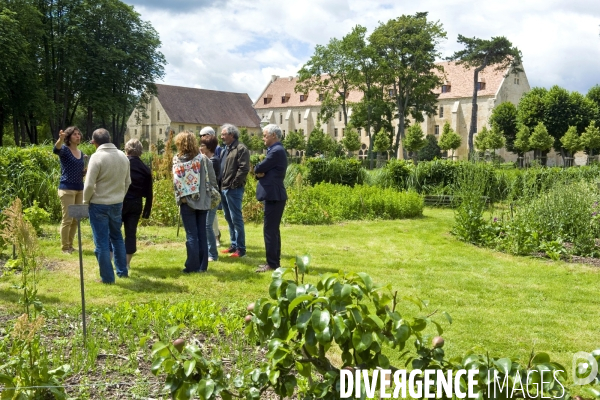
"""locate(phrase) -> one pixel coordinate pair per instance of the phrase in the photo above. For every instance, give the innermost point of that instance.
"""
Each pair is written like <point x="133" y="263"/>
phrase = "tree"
<point x="521" y="143"/>
<point x="414" y="141"/>
<point x="594" y="95"/>
<point x="382" y="142"/>
<point x="480" y="53"/>
<point x="504" y="119"/>
<point x="591" y="138"/>
<point x="481" y="140"/>
<point x="431" y="150"/>
<point x="408" y="47"/>
<point x="328" y="73"/>
<point x="319" y="142"/>
<point x="571" y="141"/>
<point x="351" y="140"/>
<point x="449" y="140"/>
<point x="495" y="139"/>
<point x="540" y="140"/>
<point x="294" y="141"/>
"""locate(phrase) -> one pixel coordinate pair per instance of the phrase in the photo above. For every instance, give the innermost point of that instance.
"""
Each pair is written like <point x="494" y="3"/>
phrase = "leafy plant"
<point x="36" y="216"/>
<point x="299" y="322"/>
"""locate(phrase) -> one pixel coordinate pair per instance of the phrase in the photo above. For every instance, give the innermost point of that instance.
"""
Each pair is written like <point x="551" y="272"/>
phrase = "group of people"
<point x="116" y="183"/>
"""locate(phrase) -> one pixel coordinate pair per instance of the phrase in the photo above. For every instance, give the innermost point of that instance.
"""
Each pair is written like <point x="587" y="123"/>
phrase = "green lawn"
<point x="506" y="304"/>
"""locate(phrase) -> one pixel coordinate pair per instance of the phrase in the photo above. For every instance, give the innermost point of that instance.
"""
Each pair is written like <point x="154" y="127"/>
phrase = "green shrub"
<point x="326" y="203"/>
<point x="472" y="184"/>
<point x="345" y="171"/>
<point x="36" y="216"/>
<point x="565" y="213"/>
<point x="164" y="208"/>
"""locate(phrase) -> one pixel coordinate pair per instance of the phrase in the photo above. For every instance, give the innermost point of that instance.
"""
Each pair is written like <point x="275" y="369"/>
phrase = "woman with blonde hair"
<point x="193" y="177"/>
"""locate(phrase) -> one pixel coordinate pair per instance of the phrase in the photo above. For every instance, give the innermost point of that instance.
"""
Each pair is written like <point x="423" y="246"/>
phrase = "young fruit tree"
<point x="450" y="140"/>
<point x="414" y="141"/>
<point x="540" y="140"/>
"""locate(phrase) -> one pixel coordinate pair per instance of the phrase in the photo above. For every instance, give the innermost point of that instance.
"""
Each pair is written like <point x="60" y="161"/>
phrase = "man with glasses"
<point x="235" y="165"/>
<point x="207" y="130"/>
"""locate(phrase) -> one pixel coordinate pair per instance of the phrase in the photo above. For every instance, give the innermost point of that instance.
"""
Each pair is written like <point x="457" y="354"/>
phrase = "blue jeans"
<point x="232" y="208"/>
<point x="194" y="223"/>
<point x="105" y="221"/>
<point x="210" y="234"/>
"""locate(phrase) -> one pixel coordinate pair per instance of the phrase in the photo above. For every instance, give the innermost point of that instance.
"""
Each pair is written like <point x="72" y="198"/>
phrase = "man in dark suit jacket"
<point x="270" y="190"/>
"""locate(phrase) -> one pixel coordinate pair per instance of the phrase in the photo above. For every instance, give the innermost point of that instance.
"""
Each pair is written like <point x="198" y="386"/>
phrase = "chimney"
<point x="290" y="78"/>
<point x="274" y="78"/>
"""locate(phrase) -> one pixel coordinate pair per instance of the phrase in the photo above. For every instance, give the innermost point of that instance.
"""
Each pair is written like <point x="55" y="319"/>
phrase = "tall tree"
<point x="504" y="119"/>
<point x="594" y="95"/>
<point x="479" y="53"/>
<point x="431" y="150"/>
<point x="481" y="140"/>
<point x="495" y="139"/>
<point x="408" y="47"/>
<point x="328" y="73"/>
<point x="294" y="140"/>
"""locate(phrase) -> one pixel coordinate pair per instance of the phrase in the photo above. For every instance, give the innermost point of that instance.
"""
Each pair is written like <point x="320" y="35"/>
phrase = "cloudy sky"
<point x="236" y="45"/>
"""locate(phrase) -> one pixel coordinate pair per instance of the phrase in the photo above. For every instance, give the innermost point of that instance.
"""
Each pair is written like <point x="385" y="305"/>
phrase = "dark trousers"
<point x="196" y="244"/>
<point x="132" y="211"/>
<point x="271" y="222"/>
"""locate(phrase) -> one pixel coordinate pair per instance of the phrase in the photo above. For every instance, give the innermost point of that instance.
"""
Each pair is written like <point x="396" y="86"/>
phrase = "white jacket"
<point x="107" y="178"/>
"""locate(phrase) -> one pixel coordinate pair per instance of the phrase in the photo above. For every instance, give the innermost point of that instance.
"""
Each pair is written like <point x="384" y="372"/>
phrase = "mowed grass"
<point x="509" y="305"/>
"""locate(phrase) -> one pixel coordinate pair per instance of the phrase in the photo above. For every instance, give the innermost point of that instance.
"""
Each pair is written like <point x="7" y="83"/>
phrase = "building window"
<point x="480" y="85"/>
<point x="135" y="132"/>
<point x="301" y="131"/>
<point x="147" y="131"/>
<point x="158" y="115"/>
<point x="445" y="88"/>
<point x="335" y="132"/>
<point x="359" y="130"/>
<point x="198" y="128"/>
<point x="320" y="97"/>
<point x="441" y="113"/>
<point x="437" y="130"/>
<point x="283" y="133"/>
<point x="266" y="100"/>
<point x="280" y="118"/>
<point x="339" y="116"/>
<point x="181" y="128"/>
<point x="391" y="92"/>
<point x="343" y="131"/>
<point x="283" y="99"/>
<point x="302" y="97"/>
<point x="160" y="131"/>
<point x="299" y="117"/>
<point x="516" y="81"/>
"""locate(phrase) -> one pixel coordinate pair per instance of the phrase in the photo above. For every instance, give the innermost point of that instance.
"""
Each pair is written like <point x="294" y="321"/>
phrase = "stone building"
<point x="280" y="104"/>
<point x="181" y="108"/>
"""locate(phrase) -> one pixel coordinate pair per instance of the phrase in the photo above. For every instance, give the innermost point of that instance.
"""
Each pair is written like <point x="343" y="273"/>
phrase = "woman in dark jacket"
<point x="141" y="186"/>
<point x="208" y="144"/>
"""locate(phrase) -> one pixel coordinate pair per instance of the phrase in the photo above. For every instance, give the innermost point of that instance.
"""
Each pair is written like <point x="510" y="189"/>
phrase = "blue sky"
<point x="236" y="45"/>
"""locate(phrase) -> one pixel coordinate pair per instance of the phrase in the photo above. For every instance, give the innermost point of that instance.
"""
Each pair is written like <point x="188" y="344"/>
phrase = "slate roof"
<point x="207" y="107"/>
<point x="460" y="79"/>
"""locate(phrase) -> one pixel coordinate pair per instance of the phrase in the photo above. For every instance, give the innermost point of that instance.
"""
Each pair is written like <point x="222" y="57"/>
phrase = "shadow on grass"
<point x="13" y="296"/>
<point x="138" y="283"/>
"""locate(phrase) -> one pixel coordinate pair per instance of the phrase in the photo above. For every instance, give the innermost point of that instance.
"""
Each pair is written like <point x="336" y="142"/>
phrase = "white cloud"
<point x="237" y="45"/>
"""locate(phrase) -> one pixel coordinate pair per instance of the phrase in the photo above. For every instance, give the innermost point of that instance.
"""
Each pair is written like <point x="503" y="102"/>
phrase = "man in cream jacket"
<point x="106" y="183"/>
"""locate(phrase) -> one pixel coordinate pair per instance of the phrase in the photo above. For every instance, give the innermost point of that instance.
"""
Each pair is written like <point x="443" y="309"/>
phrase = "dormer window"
<point x="283" y="99"/>
<point x="266" y="100"/>
<point x="445" y="88"/>
<point x="480" y="86"/>
<point x="302" y="97"/>
<point x="320" y="97"/>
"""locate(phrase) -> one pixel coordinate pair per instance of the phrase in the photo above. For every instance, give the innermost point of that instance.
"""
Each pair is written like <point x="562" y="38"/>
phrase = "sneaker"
<point x="238" y="253"/>
<point x="68" y="251"/>
<point x="229" y="250"/>
<point x="210" y="259"/>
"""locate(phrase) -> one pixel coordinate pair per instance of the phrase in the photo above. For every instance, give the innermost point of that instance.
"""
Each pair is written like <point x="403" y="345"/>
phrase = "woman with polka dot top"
<point x="70" y="189"/>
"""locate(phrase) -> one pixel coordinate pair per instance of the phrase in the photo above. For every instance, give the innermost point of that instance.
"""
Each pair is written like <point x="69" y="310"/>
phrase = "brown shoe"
<point x="264" y="268"/>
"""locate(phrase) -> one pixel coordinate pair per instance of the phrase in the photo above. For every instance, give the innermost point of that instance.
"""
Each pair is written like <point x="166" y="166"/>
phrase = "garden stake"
<point x="79" y="211"/>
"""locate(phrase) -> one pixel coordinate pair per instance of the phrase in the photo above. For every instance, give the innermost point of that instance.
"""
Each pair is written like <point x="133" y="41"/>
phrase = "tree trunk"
<point x="89" y="123"/>
<point x="16" y="130"/>
<point x="473" y="127"/>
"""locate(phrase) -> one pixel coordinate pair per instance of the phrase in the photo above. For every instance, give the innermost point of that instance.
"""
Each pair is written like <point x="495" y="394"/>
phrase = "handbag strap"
<point x="208" y="185"/>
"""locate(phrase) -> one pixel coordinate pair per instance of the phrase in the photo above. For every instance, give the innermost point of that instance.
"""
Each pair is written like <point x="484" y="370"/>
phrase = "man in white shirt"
<point x="106" y="183"/>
